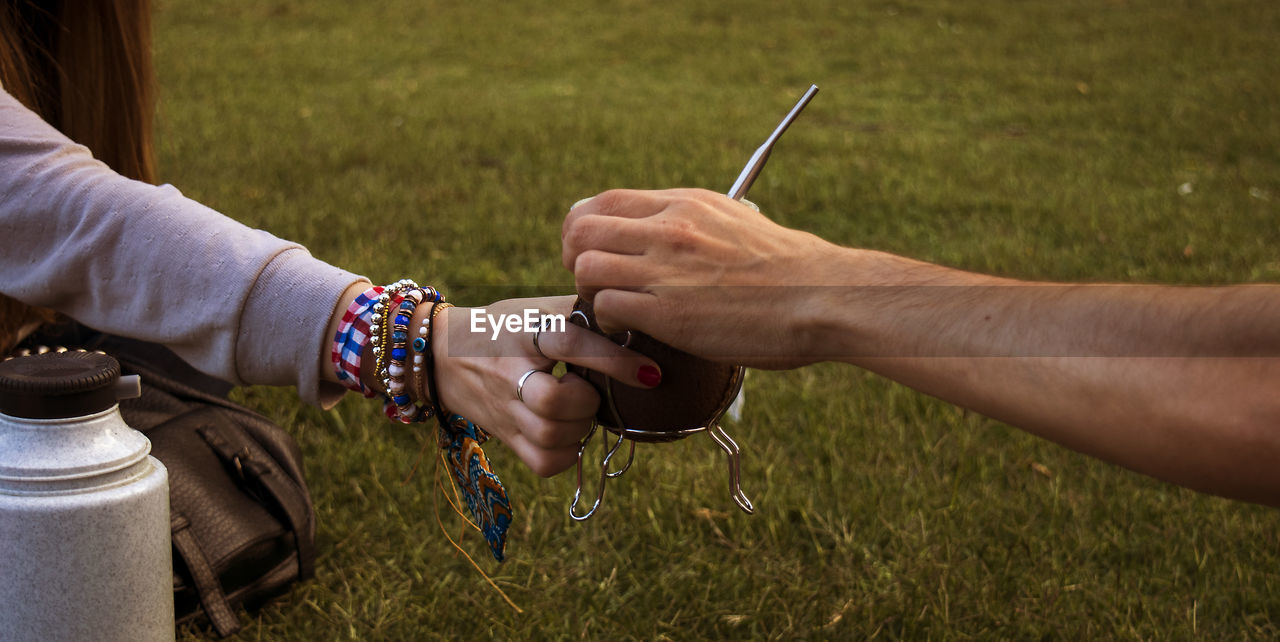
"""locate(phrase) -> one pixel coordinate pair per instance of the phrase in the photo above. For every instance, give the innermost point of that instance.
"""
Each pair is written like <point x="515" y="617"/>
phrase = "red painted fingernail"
<point x="649" y="376"/>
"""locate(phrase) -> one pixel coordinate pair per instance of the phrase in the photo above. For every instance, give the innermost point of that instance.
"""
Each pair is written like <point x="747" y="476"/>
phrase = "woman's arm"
<point x="145" y="262"/>
<point x="142" y="261"/>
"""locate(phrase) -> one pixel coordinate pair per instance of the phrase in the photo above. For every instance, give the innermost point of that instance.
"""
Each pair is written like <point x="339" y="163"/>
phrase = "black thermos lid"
<point x="55" y="385"/>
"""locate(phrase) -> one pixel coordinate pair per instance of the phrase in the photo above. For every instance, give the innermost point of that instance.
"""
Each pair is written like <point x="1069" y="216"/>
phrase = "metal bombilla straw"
<point x="761" y="156"/>
<point x="740" y="186"/>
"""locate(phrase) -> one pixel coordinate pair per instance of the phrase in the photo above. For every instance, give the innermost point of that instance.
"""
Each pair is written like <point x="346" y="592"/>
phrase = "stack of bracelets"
<point x="380" y="317"/>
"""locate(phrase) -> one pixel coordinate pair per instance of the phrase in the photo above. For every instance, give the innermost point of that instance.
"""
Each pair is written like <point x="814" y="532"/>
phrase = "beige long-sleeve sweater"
<point x="143" y="261"/>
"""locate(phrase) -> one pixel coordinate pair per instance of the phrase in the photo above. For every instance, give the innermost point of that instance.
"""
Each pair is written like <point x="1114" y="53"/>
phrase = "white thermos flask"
<point x="84" y="509"/>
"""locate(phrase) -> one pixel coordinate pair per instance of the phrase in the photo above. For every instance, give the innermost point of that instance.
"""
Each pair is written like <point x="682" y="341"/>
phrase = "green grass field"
<point x="1080" y="139"/>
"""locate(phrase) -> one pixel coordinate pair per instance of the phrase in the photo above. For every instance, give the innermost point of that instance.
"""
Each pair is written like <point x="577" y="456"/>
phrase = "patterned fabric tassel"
<point x="486" y="497"/>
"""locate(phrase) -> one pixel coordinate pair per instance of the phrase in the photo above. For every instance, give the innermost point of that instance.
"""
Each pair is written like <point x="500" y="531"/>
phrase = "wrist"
<point x="437" y="351"/>
<point x="820" y="317"/>
<point x="886" y="305"/>
<point x="382" y="346"/>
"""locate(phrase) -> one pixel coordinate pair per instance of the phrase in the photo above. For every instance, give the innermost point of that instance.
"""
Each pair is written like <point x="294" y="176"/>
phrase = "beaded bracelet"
<point x="397" y="370"/>
<point x="421" y="349"/>
<point x="442" y="415"/>
<point x="433" y="395"/>
<point x="379" y="319"/>
<point x="381" y="327"/>
<point x="393" y="379"/>
<point x="390" y="345"/>
<point x="382" y="341"/>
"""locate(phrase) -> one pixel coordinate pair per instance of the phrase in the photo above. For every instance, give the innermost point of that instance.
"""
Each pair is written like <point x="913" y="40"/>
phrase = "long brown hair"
<point x="85" y="67"/>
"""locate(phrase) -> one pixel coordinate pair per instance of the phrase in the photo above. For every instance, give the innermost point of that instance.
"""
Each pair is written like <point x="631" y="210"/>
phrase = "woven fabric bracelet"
<point x="350" y="340"/>
<point x="485" y="496"/>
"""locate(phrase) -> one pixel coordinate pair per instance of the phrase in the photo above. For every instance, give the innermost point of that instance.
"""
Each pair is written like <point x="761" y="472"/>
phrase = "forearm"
<point x="1178" y="383"/>
<point x="144" y="262"/>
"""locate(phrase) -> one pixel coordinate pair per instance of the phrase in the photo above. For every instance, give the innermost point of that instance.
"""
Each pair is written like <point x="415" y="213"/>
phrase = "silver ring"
<point x="520" y="383"/>
<point x="537" y="348"/>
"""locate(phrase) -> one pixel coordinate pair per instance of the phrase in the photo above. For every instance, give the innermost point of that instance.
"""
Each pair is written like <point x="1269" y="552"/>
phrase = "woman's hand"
<point x="701" y="272"/>
<point x="478" y="370"/>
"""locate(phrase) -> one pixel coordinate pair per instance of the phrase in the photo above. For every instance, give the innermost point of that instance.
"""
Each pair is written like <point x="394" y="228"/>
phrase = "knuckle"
<point x="579" y="233"/>
<point x="580" y="395"/>
<point x="589" y="266"/>
<point x="541" y="433"/>
<point x="675" y="232"/>
<point x="570" y="345"/>
<point x="570" y="220"/>
<point x="604" y="306"/>
<point x="609" y="201"/>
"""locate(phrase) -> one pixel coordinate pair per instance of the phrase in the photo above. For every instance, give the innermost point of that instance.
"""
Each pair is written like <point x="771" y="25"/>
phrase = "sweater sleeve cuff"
<point x="281" y="335"/>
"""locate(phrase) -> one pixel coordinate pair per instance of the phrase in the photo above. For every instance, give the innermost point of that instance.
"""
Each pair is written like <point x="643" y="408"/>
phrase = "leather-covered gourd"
<point x="694" y="392"/>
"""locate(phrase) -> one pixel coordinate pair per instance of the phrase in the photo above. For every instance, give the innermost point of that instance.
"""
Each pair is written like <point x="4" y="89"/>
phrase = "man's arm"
<point x="1179" y="383"/>
<point x="1176" y="382"/>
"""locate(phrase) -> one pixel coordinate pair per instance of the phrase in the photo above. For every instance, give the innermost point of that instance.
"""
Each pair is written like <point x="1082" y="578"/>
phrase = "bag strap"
<point x="287" y="495"/>
<point x="203" y="577"/>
